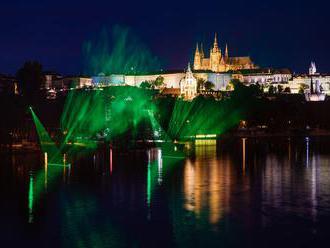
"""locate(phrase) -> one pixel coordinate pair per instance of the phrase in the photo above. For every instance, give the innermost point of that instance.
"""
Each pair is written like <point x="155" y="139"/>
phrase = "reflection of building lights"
<point x="206" y="142"/>
<point x="314" y="182"/>
<point x="243" y="153"/>
<point x="216" y="199"/>
<point x="206" y="186"/>
<point x="189" y="185"/>
<point x="160" y="166"/>
<point x="289" y="150"/>
<point x="307" y="151"/>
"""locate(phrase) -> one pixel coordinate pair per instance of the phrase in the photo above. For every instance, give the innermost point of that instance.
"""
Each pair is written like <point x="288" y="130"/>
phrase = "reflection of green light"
<point x="31" y="199"/>
<point x="59" y="165"/>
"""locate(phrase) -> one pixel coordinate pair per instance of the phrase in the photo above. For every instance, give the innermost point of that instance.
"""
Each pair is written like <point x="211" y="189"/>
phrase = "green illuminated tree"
<point x="158" y="82"/>
<point x="145" y="85"/>
<point x="30" y="79"/>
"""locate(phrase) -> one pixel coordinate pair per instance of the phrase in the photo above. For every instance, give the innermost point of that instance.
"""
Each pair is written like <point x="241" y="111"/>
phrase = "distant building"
<point x="8" y="85"/>
<point x="54" y="81"/>
<point x="220" y="61"/>
<point x="49" y="80"/>
<point x="82" y="81"/>
<point x="301" y="83"/>
<point x="263" y="76"/>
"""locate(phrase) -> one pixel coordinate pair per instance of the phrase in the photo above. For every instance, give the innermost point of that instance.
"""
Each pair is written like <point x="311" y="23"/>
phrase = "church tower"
<point x="202" y="52"/>
<point x="197" y="59"/>
<point x="215" y="55"/>
<point x="188" y="85"/>
<point x="226" y="52"/>
<point x="312" y="68"/>
<point x="225" y="60"/>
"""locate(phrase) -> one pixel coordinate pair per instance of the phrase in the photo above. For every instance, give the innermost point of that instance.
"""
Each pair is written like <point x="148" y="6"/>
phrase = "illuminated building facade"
<point x="219" y="61"/>
<point x="57" y="82"/>
<point x="188" y="85"/>
<point x="302" y="82"/>
<point x="263" y="76"/>
<point x="172" y="79"/>
<point x="8" y="85"/>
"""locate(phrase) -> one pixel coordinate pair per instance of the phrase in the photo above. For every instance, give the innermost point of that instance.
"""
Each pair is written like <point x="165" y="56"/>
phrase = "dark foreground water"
<point x="239" y="193"/>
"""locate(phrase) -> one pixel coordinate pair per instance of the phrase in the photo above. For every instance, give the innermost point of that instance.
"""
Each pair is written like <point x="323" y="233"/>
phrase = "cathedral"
<point x="219" y="61"/>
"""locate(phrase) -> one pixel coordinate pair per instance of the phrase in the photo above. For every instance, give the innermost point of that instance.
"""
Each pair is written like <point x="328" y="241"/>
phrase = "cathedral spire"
<point x="197" y="59"/>
<point x="215" y="44"/>
<point x="226" y="51"/>
<point x="215" y="40"/>
<point x="202" y="50"/>
<point x="215" y="48"/>
<point x="197" y="50"/>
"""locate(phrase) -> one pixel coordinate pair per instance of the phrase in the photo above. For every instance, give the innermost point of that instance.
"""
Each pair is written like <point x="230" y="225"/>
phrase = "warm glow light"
<point x="204" y="136"/>
<point x="243" y="152"/>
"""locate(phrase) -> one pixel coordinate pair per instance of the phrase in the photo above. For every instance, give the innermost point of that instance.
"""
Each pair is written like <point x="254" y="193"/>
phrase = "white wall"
<point x="171" y="80"/>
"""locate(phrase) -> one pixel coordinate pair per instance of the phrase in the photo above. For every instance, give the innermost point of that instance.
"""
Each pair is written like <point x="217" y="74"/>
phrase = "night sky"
<point x="274" y="33"/>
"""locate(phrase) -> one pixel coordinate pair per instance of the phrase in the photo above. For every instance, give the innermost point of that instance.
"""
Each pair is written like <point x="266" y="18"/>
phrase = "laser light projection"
<point x="122" y="116"/>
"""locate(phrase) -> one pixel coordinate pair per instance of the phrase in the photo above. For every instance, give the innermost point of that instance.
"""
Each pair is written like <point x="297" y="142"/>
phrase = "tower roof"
<point x="202" y="50"/>
<point x="215" y="40"/>
<point x="226" y="51"/>
<point x="189" y="68"/>
<point x="215" y="44"/>
<point x="197" y="50"/>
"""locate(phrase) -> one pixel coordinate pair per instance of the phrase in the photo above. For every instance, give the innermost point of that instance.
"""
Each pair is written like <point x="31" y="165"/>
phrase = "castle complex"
<point x="219" y="69"/>
<point x="219" y="61"/>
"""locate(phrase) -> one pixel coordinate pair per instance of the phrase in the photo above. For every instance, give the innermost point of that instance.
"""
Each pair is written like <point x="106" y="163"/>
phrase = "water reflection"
<point x="31" y="199"/>
<point x="207" y="183"/>
<point x="243" y="154"/>
<point x="264" y="191"/>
